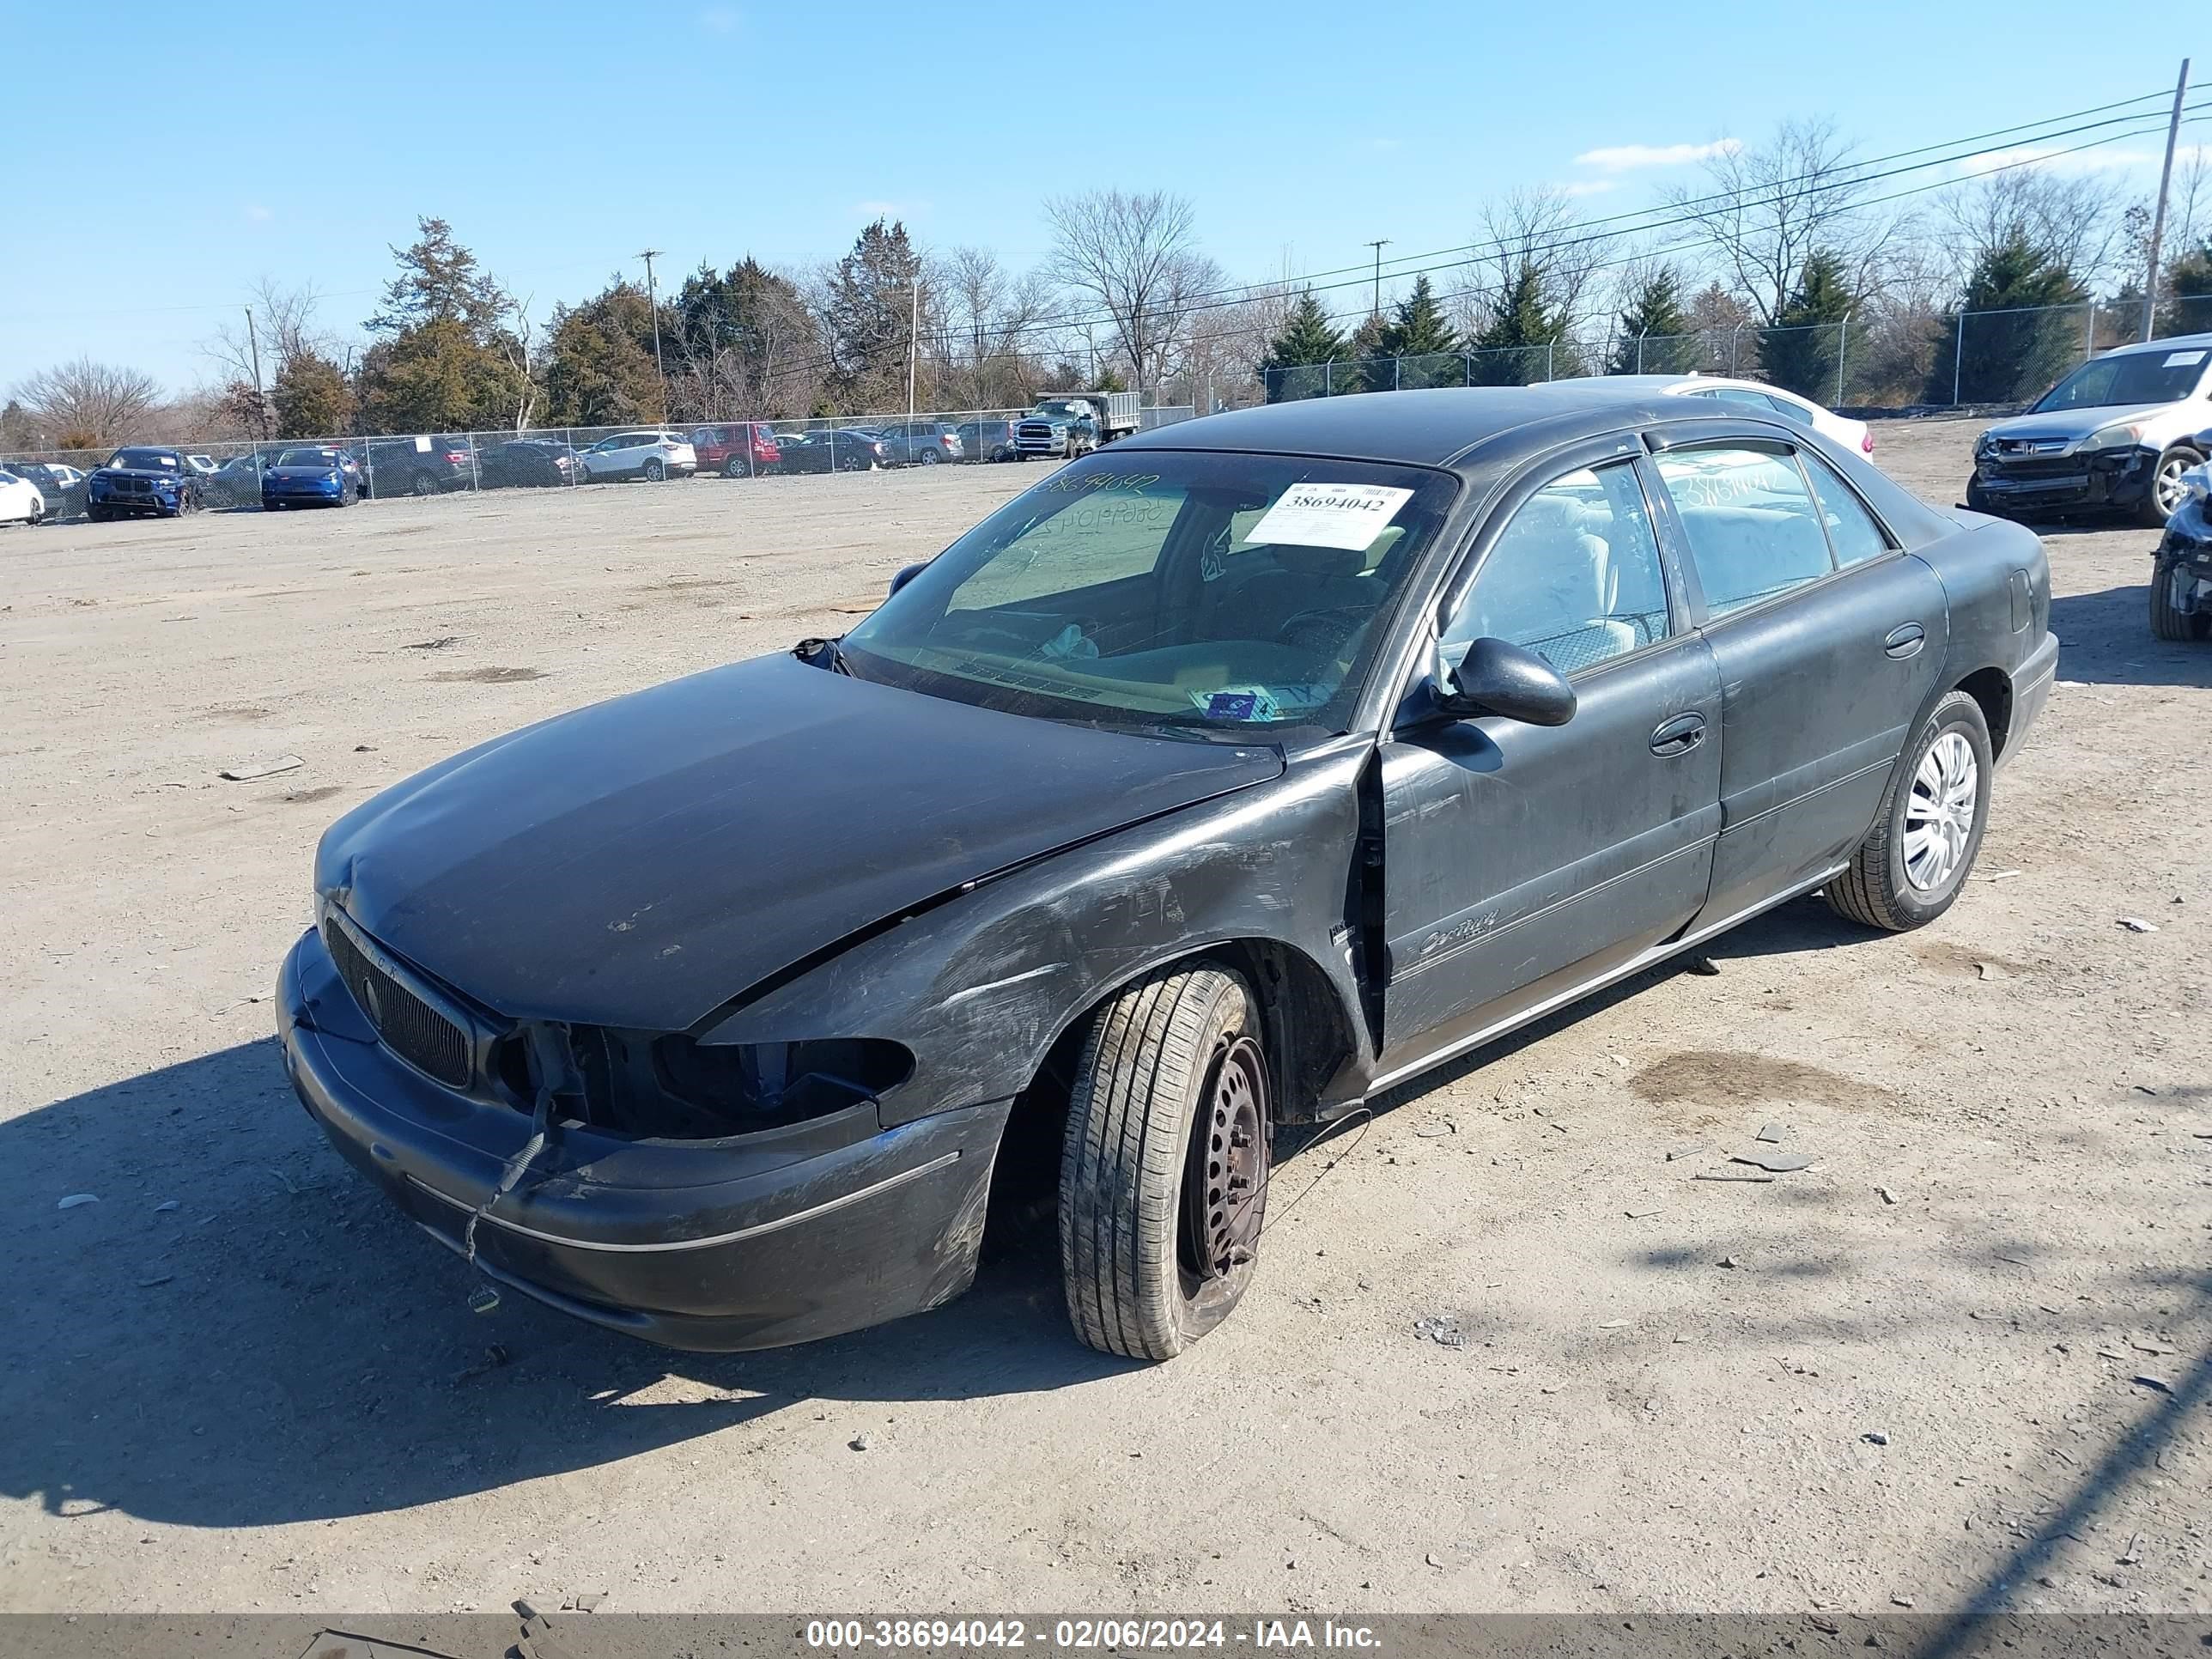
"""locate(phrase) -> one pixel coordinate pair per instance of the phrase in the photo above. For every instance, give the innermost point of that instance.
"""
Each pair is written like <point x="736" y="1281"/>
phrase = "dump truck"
<point x="1066" y="424"/>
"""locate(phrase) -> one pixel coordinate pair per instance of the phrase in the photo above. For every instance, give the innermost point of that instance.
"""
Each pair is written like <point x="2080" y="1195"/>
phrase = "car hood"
<point x="2080" y="423"/>
<point x="639" y="862"/>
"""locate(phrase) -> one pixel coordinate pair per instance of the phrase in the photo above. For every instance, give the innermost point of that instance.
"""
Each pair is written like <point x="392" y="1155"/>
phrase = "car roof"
<point x="2171" y="343"/>
<point x="1426" y="428"/>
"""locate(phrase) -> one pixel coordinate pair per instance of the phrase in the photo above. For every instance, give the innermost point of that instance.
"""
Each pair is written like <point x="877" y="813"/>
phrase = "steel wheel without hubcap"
<point x="1939" y="818"/>
<point x="1224" y="1184"/>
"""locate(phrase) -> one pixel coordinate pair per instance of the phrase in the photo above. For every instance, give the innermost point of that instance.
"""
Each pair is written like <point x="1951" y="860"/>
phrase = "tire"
<point x="652" y="472"/>
<point x="1880" y="888"/>
<point x="2166" y="622"/>
<point x="2164" y="492"/>
<point x="421" y="484"/>
<point x="929" y="457"/>
<point x="734" y="467"/>
<point x="1155" y="1248"/>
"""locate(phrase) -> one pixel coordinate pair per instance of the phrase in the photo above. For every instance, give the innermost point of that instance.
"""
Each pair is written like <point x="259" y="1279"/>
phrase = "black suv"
<point x="415" y="467"/>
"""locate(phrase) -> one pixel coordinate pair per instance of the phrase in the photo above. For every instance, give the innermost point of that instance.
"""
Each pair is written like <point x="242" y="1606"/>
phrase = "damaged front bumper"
<point x="2113" y="480"/>
<point x="755" y="1241"/>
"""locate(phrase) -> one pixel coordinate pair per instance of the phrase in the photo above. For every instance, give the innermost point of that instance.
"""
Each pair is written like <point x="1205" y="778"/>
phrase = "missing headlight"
<point x="664" y="1086"/>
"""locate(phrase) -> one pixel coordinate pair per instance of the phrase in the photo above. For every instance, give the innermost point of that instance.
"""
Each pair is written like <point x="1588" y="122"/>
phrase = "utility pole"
<point x="1379" y="245"/>
<point x="653" y="301"/>
<point x="913" y="349"/>
<point x="260" y="399"/>
<point x="2157" y="218"/>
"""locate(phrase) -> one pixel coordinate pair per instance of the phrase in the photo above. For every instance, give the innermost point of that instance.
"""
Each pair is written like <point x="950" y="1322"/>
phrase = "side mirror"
<point x="1499" y="678"/>
<point x="907" y="574"/>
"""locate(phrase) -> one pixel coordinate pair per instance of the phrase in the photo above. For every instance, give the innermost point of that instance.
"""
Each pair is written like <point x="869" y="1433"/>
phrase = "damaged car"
<point x="1222" y="780"/>
<point x="2181" y="569"/>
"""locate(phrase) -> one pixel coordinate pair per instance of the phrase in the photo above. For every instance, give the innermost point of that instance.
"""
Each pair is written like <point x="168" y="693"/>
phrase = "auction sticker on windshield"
<point x="1346" y="515"/>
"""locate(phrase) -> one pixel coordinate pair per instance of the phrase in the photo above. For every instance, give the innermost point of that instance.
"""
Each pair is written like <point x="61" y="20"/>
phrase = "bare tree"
<point x="1763" y="210"/>
<point x="991" y="316"/>
<point x="1538" y="229"/>
<point x="88" y="405"/>
<point x="1137" y="257"/>
<point x="2075" y="220"/>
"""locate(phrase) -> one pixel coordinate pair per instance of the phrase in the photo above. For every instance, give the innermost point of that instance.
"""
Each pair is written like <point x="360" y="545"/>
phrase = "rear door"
<point x="1521" y="860"/>
<point x="1827" y="638"/>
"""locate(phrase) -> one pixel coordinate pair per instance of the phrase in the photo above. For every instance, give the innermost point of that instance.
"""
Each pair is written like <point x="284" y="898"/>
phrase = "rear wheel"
<point x="734" y="467"/>
<point x="1163" y="1174"/>
<point x="421" y="484"/>
<point x="1911" y="866"/>
<point x="929" y="457"/>
<point x="2168" y="622"/>
<point x="654" y="471"/>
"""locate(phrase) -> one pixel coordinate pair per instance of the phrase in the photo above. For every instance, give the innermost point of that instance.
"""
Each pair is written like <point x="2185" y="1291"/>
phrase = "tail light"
<point x="457" y="457"/>
<point x="1866" y="443"/>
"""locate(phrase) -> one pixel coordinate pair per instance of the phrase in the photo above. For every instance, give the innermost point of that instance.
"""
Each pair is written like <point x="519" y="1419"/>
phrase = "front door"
<point x="1828" y="639"/>
<point x="1520" y="859"/>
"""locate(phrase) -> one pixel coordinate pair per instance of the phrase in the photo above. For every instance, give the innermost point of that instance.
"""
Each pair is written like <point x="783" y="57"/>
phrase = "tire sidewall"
<point x="1958" y="713"/>
<point x="1204" y="1303"/>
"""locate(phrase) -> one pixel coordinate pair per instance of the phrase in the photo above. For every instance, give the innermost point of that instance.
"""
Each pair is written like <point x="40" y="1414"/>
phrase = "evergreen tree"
<point x="311" y="398"/>
<point x="1308" y="339"/>
<point x="1800" y="351"/>
<point x="2188" y="307"/>
<point x="1421" y="338"/>
<point x="1372" y="370"/>
<point x="868" y="307"/>
<point x="1656" y="336"/>
<point x="1525" y="340"/>
<point x="599" y="369"/>
<point x="740" y="332"/>
<point x="2020" y="350"/>
<point x="444" y="358"/>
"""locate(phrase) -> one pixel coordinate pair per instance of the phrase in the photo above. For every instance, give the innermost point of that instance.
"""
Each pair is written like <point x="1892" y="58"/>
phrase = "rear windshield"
<point x="1209" y="594"/>
<point x="2134" y="377"/>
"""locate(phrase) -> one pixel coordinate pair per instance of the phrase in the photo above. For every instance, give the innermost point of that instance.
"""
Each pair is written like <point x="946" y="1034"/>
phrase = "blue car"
<point x="314" y="476"/>
<point x="157" y="481"/>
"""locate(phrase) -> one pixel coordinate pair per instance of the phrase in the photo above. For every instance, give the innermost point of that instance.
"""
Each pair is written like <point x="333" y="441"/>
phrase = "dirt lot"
<point x="237" y="1381"/>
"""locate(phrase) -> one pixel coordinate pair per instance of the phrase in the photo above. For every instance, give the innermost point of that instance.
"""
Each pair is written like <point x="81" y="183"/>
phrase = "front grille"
<point x="2039" y="468"/>
<point x="131" y="486"/>
<point x="414" y="1030"/>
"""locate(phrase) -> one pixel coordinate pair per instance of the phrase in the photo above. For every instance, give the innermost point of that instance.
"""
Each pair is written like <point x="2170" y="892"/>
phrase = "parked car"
<point x="140" y="479"/>
<point x="235" y="481"/>
<point x="61" y="487"/>
<point x="1764" y="399"/>
<point x="312" y="475"/>
<point x="990" y="441"/>
<point x="202" y="465"/>
<point x="2114" y="436"/>
<point x="21" y="501"/>
<point x="2181" y="568"/>
<point x="529" y="462"/>
<point x="1264" y="765"/>
<point x="424" y="466"/>
<point x="922" y="443"/>
<point x="745" y="450"/>
<point x="650" y="453"/>
<point x="846" y="449"/>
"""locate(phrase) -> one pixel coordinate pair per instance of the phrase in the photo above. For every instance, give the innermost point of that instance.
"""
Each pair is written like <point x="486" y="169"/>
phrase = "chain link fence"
<point x="570" y="458"/>
<point x="1886" y="361"/>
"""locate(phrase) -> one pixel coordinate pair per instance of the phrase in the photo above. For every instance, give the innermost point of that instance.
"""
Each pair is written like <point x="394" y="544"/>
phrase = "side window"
<point x="1575" y="575"/>
<point x="1754" y="531"/>
<point x="1851" y="529"/>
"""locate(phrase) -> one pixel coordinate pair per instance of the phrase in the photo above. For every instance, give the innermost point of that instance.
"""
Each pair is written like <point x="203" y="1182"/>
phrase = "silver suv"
<point x="2115" y="434"/>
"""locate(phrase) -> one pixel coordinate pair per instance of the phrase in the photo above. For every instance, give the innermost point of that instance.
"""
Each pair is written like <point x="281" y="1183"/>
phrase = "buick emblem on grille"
<point x="373" y="1000"/>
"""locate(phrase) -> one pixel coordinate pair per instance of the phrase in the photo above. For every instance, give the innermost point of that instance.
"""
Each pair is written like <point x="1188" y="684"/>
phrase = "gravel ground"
<point x="1968" y="1354"/>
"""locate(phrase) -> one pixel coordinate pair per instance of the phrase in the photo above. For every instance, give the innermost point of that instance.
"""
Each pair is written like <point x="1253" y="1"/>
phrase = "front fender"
<point x="980" y="989"/>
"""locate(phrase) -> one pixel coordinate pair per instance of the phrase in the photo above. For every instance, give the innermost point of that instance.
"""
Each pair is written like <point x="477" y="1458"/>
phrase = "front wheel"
<point x="2166" y="622"/>
<point x="1911" y="866"/>
<point x="2166" y="491"/>
<point x="1163" y="1174"/>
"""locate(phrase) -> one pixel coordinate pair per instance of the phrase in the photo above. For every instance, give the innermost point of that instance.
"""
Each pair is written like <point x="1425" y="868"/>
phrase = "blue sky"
<point x="300" y="142"/>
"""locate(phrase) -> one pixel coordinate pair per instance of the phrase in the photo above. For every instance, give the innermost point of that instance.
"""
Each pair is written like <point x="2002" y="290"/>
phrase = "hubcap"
<point x="2170" y="491"/>
<point x="1226" y="1183"/>
<point x="1939" y="818"/>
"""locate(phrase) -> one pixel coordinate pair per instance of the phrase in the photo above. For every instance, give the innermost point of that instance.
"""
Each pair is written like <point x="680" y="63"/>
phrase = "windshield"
<point x="306" y="458"/>
<point x="154" y="458"/>
<point x="1234" y="593"/>
<point x="2133" y="377"/>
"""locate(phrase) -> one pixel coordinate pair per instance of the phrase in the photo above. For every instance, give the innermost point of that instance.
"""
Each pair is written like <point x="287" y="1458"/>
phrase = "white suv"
<point x="647" y="453"/>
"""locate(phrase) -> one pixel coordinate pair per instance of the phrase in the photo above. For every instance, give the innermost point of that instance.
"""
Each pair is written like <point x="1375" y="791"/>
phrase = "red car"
<point x="736" y="452"/>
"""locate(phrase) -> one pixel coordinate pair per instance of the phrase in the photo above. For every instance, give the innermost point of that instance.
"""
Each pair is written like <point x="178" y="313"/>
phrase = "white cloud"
<point x="258" y="215"/>
<point x="1382" y="145"/>
<point x="719" y="19"/>
<point x="1619" y="158"/>
<point x="1589" y="186"/>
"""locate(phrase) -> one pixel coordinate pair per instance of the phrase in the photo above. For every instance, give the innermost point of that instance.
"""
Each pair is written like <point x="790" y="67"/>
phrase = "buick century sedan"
<point x="1225" y="779"/>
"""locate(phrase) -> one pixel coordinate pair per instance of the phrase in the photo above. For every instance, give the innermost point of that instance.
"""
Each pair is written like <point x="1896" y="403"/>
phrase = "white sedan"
<point x="20" y="500"/>
<point x="1767" y="400"/>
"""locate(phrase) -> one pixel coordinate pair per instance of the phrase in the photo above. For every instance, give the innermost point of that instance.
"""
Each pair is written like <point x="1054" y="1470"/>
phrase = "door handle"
<point x="1679" y="735"/>
<point x="1904" y="640"/>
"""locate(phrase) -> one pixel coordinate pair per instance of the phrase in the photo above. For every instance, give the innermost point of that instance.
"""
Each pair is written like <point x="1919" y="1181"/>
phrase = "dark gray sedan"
<point x="1222" y="781"/>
